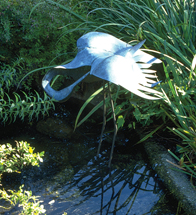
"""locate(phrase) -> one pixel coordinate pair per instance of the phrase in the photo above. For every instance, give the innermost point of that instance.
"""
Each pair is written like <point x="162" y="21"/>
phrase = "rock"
<point x="177" y="182"/>
<point x="55" y="128"/>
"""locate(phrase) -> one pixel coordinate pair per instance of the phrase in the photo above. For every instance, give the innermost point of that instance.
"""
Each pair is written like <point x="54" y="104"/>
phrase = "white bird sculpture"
<point x="103" y="56"/>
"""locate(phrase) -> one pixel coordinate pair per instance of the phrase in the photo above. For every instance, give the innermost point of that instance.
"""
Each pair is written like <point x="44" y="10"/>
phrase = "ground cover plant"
<point x="13" y="159"/>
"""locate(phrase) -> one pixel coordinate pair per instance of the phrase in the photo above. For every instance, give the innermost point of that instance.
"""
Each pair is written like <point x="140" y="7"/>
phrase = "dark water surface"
<point x="72" y="180"/>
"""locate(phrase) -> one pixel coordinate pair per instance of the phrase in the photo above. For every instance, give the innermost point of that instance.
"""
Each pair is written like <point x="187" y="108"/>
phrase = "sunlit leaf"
<point x="120" y="121"/>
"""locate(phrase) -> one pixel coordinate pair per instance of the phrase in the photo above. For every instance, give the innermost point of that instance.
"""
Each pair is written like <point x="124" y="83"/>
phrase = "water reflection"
<point x="72" y="180"/>
<point x="126" y="189"/>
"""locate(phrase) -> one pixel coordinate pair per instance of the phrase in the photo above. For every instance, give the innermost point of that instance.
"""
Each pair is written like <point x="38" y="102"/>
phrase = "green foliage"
<point x="185" y="165"/>
<point x="182" y="113"/>
<point x="19" y="105"/>
<point x="77" y="123"/>
<point x="29" y="203"/>
<point x="118" y="108"/>
<point x="9" y="75"/>
<point x="13" y="159"/>
<point x="30" y="30"/>
<point x="146" y="115"/>
<point x="29" y="106"/>
<point x="120" y="121"/>
<point x="29" y="38"/>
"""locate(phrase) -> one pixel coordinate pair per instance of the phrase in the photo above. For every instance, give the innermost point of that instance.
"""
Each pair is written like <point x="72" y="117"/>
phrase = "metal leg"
<point x="104" y="119"/>
<point x="104" y="123"/>
<point x="115" y="126"/>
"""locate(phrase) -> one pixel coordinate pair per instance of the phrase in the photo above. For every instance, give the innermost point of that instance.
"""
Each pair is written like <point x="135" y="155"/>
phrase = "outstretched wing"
<point x="126" y="73"/>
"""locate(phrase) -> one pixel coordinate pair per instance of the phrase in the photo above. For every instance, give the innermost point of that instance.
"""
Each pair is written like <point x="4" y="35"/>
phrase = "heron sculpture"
<point x="103" y="56"/>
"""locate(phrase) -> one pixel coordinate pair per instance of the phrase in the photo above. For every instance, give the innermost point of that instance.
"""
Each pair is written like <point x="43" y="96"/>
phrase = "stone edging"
<point x="177" y="182"/>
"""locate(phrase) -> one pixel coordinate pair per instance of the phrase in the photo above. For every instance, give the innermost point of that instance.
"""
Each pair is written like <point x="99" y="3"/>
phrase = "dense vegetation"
<point x="29" y="35"/>
<point x="36" y="35"/>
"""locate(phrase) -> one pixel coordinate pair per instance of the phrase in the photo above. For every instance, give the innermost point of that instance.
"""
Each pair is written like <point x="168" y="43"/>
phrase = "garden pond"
<point x="71" y="179"/>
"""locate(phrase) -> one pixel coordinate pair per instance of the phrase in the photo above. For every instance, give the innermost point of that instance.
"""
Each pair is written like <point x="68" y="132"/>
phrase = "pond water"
<point x="72" y="180"/>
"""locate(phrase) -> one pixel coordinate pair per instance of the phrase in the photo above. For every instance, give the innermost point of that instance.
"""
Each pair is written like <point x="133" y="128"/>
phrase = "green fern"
<point x="29" y="106"/>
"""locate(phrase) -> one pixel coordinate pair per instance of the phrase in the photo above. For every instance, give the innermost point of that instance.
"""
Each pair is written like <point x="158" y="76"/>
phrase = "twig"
<point x="115" y="126"/>
<point x="104" y="119"/>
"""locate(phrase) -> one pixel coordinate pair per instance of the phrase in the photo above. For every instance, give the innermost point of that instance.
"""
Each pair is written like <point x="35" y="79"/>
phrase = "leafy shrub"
<point x="30" y="106"/>
<point x="19" y="105"/>
<point x="33" y="32"/>
<point x="29" y="203"/>
<point x="29" y="38"/>
<point x="30" y="30"/>
<point x="13" y="159"/>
